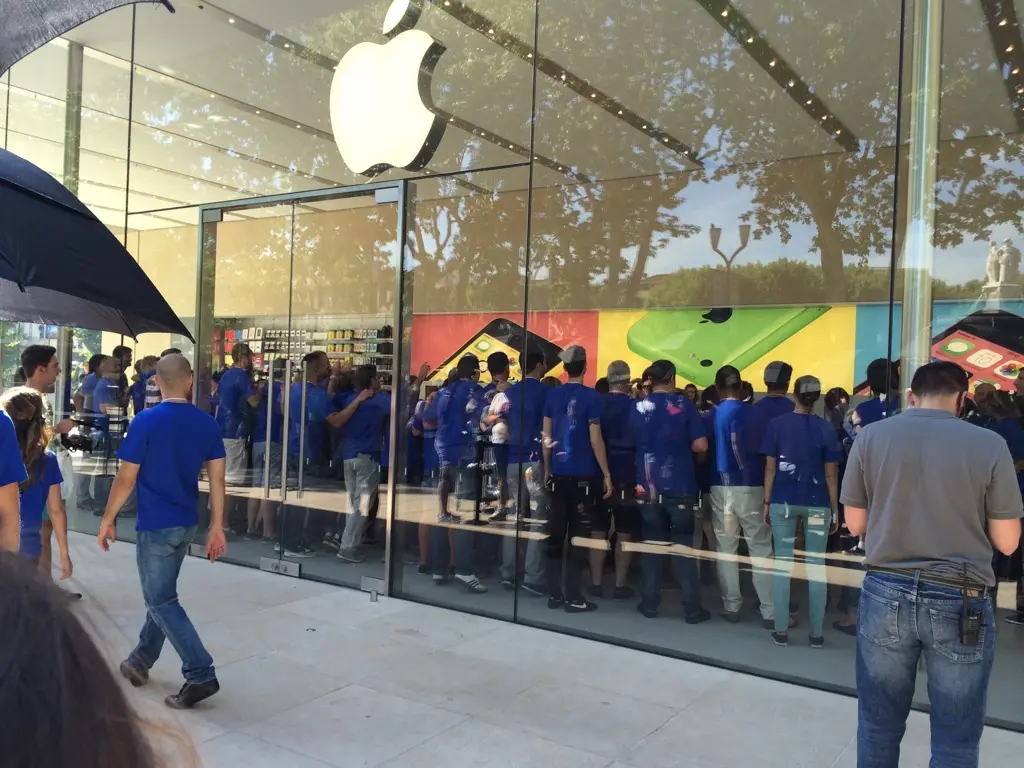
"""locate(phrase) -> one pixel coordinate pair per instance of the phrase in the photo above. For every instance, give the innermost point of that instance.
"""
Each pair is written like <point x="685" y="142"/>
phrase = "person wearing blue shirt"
<point x="801" y="482"/>
<point x="617" y="432"/>
<point x="668" y="430"/>
<point x="883" y="381"/>
<point x="234" y="388"/>
<point x="364" y="415"/>
<point x="41" y="491"/>
<point x="12" y="473"/>
<point x="266" y="445"/>
<point x="522" y="412"/>
<point x="577" y="475"/>
<point x="736" y="506"/>
<point x="83" y="402"/>
<point x="162" y="455"/>
<point x="776" y="402"/>
<point x="107" y="404"/>
<point x="458" y="409"/>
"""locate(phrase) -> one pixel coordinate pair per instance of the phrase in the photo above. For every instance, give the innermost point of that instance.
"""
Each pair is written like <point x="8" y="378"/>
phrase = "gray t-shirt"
<point x="929" y="482"/>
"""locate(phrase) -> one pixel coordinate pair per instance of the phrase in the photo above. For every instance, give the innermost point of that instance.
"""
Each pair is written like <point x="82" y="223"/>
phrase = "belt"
<point x="973" y="588"/>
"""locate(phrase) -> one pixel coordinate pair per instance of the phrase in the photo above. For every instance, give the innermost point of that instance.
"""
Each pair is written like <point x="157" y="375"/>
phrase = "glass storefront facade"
<point x="710" y="182"/>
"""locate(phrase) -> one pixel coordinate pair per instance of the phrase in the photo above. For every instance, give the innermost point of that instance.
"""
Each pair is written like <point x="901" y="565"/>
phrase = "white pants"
<point x="736" y="508"/>
<point x="235" y="462"/>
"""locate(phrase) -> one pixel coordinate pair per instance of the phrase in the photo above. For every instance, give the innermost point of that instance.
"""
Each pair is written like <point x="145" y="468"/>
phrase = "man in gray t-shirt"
<point x="932" y="495"/>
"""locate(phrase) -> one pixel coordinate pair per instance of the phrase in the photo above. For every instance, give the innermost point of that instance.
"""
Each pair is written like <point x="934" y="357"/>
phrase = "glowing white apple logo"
<point x="381" y="109"/>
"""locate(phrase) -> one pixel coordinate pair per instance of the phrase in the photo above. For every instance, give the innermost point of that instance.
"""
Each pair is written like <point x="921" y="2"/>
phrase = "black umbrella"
<point x="27" y="24"/>
<point x="60" y="265"/>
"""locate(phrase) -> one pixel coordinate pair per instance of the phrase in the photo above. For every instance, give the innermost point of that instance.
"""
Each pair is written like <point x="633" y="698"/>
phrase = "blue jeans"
<point x="672" y="519"/>
<point x="784" y="519"/>
<point x="159" y="555"/>
<point x="900" y="621"/>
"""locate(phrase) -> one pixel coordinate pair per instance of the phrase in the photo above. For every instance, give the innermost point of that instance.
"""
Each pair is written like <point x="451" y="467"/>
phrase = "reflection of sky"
<point x="721" y="203"/>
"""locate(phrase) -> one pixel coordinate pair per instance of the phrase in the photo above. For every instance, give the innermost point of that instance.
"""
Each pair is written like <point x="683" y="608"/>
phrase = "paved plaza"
<point x="314" y="675"/>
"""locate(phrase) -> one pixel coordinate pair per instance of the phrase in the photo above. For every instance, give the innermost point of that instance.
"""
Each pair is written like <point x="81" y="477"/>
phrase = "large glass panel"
<point x="233" y="100"/>
<point x="977" y="308"/>
<point x="463" y="294"/>
<point x="343" y="320"/>
<point x="724" y="196"/>
<point x="242" y="345"/>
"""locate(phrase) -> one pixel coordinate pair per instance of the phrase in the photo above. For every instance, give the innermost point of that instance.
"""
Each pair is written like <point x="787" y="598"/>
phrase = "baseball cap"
<point x="807" y="385"/>
<point x="778" y="374"/>
<point x="573" y="354"/>
<point x="618" y="372"/>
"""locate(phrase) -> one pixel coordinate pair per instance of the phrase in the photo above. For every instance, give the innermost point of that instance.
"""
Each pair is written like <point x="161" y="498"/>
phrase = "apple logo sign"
<point x="381" y="108"/>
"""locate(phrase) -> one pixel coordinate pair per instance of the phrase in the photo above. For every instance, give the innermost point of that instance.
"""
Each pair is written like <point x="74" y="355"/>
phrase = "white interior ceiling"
<point x="199" y="80"/>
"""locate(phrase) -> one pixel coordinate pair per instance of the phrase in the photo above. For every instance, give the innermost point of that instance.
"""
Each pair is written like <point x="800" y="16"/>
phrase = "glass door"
<point x="303" y="289"/>
<point x="244" y="360"/>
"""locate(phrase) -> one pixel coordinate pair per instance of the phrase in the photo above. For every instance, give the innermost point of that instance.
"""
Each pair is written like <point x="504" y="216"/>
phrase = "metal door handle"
<point x="302" y="431"/>
<point x="268" y="393"/>
<point x="287" y="393"/>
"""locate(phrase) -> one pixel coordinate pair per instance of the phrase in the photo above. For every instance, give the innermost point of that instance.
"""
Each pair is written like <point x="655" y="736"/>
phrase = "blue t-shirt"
<point x="138" y="394"/>
<point x="572" y="408"/>
<point x="458" y="408"/>
<point x="761" y="414"/>
<point x="1013" y="434"/>
<point x="276" y="415"/>
<point x="86" y="391"/>
<point x="235" y="387"/>
<point x="33" y="502"/>
<point x="12" y="468"/>
<point x="732" y="457"/>
<point x="524" y="413"/>
<point x="425" y="421"/>
<point x="364" y="432"/>
<point x="801" y="444"/>
<point x="104" y="394"/>
<point x="870" y="411"/>
<point x="617" y="430"/>
<point x="170" y="442"/>
<point x="665" y="425"/>
<point x="318" y="408"/>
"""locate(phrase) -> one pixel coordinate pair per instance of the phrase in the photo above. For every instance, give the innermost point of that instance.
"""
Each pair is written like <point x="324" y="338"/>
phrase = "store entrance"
<point x="298" y="298"/>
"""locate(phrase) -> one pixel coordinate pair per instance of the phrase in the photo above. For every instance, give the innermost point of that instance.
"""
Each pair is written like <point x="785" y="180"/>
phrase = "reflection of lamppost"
<point x="716" y="236"/>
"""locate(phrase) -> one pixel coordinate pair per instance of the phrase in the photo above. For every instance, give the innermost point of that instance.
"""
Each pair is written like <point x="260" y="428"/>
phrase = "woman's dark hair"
<point x="727" y="380"/>
<point x="746" y="391"/>
<point x="94" y="362"/>
<point x="1000" y="405"/>
<point x="834" y="397"/>
<point x="59" y="701"/>
<point x="601" y="385"/>
<point x="27" y="410"/>
<point x="363" y="376"/>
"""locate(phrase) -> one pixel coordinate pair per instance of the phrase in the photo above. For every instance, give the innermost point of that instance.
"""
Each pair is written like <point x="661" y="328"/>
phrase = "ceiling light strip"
<point x="772" y="62"/>
<point x="1004" y="29"/>
<point x="495" y="33"/>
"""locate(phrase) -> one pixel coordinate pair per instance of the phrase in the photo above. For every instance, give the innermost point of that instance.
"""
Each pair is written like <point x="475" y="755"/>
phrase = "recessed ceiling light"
<point x="665" y="139"/>
<point x="1016" y="70"/>
<point x="593" y="95"/>
<point x="1002" y="23"/>
<point x="490" y="31"/>
<point x="725" y="12"/>
<point x="1009" y="48"/>
<point x="750" y="39"/>
<point x="447" y="2"/>
<point x="645" y="127"/>
<point x="297" y="125"/>
<point x="231" y="21"/>
<point x="771" y="63"/>
<point x="563" y="75"/>
<point x="529" y="55"/>
<point x="620" y="111"/>
<point x="287" y="45"/>
<point x="451" y="119"/>
<point x="824" y="118"/>
<point x="838" y="131"/>
<point x="791" y="83"/>
<point x="808" y="101"/>
<point x="213" y="95"/>
<point x="257" y="112"/>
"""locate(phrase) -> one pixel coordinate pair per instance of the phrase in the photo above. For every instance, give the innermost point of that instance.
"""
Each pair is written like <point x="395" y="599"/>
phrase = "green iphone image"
<point x="700" y="341"/>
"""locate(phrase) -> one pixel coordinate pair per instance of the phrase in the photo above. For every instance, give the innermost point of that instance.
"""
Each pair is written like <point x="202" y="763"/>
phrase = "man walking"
<point x="932" y="495"/>
<point x="162" y="454"/>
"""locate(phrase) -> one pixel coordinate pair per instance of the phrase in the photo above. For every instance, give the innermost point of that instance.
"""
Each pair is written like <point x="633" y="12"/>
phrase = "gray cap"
<point x="618" y="372"/>
<point x="778" y="374"/>
<point x="573" y="354"/>
<point x="807" y="385"/>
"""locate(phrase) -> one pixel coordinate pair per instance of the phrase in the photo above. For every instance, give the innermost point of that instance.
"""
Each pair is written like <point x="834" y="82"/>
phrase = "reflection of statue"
<point x="992" y="264"/>
<point x="1009" y="262"/>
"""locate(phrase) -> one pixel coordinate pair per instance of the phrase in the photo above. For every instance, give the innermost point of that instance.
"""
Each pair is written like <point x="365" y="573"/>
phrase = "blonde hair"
<point x="27" y="409"/>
